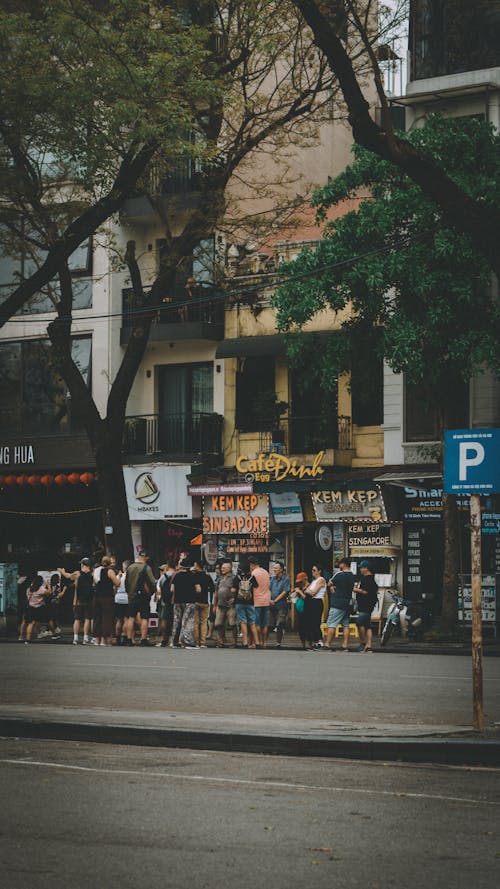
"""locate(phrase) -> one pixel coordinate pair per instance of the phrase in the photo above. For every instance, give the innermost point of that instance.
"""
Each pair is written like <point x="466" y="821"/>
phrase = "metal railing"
<point x="186" y="433"/>
<point x="176" y="309"/>
<point x="307" y="435"/>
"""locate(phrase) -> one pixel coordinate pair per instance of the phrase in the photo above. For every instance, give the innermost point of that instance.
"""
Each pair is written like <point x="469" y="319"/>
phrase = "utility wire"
<point x="276" y="281"/>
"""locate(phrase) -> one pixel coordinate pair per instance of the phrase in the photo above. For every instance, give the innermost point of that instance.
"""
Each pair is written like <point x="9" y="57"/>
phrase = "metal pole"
<point x="477" y="625"/>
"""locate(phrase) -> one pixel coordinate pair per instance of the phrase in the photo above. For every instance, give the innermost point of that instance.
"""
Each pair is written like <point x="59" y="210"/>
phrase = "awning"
<point x="385" y="552"/>
<point x="409" y="477"/>
<point x="253" y="346"/>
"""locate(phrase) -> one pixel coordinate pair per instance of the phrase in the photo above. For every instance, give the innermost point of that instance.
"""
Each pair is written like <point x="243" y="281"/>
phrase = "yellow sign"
<point x="277" y="467"/>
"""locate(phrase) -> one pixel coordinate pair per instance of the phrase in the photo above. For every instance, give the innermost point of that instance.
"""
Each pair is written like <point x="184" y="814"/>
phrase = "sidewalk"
<point x="283" y="702"/>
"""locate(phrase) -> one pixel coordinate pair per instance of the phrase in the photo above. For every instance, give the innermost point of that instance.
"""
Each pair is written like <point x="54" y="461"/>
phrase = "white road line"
<point x="279" y="785"/>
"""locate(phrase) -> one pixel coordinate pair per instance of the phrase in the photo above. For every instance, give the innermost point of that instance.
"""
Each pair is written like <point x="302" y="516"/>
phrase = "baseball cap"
<point x="301" y="576"/>
<point x="365" y="563"/>
<point x="85" y="562"/>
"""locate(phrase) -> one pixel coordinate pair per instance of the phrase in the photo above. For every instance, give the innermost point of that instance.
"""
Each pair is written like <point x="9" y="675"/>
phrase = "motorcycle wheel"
<point x="386" y="633"/>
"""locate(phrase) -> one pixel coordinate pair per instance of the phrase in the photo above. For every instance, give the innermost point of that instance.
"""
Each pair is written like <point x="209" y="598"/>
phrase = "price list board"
<point x="413" y="562"/>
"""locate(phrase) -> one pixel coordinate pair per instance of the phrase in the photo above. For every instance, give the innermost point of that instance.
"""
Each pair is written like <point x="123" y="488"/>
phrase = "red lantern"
<point x="61" y="479"/>
<point x="10" y="480"/>
<point x="47" y="480"/>
<point x="87" y="478"/>
<point x="34" y="480"/>
<point x="22" y="480"/>
<point x="74" y="478"/>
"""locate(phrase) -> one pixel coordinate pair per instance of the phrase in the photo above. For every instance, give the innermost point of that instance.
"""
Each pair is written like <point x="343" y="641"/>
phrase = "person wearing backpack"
<point x="245" y="609"/>
<point x="104" y="601"/>
<point x="140" y="585"/>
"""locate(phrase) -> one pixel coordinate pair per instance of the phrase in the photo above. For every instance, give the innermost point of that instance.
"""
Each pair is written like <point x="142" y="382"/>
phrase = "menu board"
<point x="413" y="561"/>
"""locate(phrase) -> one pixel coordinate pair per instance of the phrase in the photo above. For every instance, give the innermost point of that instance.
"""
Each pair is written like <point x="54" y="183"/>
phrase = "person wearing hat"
<point x="367" y="597"/>
<point x="82" y="600"/>
<point x="298" y="599"/>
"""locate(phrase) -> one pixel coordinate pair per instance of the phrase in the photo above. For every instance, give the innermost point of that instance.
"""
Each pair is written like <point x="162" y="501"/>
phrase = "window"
<point x="424" y="415"/>
<point x="186" y="397"/>
<point x="28" y="259"/>
<point x="34" y="398"/>
<point x="256" y="395"/>
<point x="313" y="425"/>
<point x="367" y="388"/>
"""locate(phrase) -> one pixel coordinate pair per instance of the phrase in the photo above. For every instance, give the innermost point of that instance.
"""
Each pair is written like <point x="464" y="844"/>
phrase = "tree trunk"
<point x="112" y="494"/>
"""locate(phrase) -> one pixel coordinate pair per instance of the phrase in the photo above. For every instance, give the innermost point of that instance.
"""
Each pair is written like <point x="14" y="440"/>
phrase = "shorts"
<point x="121" y="610"/>
<point x="364" y="619"/>
<point x="278" y="618"/>
<point x="139" y="605"/>
<point x="338" y="616"/>
<point x="225" y="614"/>
<point x="246" y="614"/>
<point x="82" y="611"/>
<point x="39" y="614"/>
<point x="261" y="615"/>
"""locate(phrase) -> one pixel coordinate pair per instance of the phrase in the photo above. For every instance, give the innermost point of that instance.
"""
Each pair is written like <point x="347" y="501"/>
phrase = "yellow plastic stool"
<point x="353" y="631"/>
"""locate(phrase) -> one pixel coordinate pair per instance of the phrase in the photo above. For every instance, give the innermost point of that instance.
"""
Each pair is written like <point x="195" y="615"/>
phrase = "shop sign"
<point x="157" y="492"/>
<point x="17" y="455"/>
<point x="247" y="545"/>
<point x="372" y="535"/>
<point x="349" y="502"/>
<point x="278" y="467"/>
<point x="286" y="507"/>
<point x="206" y="490"/>
<point x="488" y="600"/>
<point x="236" y="514"/>
<point x="427" y="504"/>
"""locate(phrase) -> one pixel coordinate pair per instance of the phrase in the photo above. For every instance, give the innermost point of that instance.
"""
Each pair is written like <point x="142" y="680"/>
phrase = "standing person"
<point x="245" y="610"/>
<point x="184" y="589"/>
<point x="341" y="585"/>
<point x="202" y="605"/>
<point x="279" y="585"/>
<point x="261" y="598"/>
<point x="211" y="617"/>
<point x="37" y="610"/>
<point x="140" y="584"/>
<point x="23" y="583"/>
<point x="225" y="612"/>
<point x="55" y="592"/>
<point x="104" y="601"/>
<point x="121" y="606"/>
<point x="313" y="608"/>
<point x="82" y="599"/>
<point x="299" y="596"/>
<point x="367" y="598"/>
<point x="166" y="609"/>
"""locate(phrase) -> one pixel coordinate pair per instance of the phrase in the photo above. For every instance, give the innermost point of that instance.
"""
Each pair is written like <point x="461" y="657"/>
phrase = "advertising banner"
<point x="158" y="492"/>
<point x="236" y="514"/>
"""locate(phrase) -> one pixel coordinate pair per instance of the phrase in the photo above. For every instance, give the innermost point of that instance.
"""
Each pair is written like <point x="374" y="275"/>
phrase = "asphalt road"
<point x="90" y="815"/>
<point x="289" y="685"/>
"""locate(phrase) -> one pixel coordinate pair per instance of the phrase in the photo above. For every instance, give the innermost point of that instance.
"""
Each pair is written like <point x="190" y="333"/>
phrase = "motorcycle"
<point x="403" y="614"/>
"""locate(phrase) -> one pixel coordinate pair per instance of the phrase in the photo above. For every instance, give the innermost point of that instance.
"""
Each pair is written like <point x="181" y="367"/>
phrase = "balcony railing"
<point x="175" y="309"/>
<point x="307" y="435"/>
<point x="188" y="433"/>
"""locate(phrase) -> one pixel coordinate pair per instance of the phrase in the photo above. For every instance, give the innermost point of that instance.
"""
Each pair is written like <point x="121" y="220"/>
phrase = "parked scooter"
<point x="403" y="614"/>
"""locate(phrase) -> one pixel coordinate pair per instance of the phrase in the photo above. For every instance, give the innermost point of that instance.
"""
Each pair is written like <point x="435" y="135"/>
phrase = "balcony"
<point x="198" y="319"/>
<point x="308" y="435"/>
<point x="185" y="436"/>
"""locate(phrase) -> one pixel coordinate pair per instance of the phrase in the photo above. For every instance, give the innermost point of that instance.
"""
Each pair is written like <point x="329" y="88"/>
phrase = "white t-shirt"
<point x="318" y="586"/>
<point x="121" y="597"/>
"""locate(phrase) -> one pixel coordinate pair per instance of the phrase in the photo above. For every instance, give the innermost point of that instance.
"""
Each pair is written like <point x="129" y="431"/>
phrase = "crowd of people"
<point x="111" y="605"/>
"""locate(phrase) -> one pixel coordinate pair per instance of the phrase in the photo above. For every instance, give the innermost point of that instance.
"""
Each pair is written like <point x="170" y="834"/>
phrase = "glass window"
<point x="256" y="395"/>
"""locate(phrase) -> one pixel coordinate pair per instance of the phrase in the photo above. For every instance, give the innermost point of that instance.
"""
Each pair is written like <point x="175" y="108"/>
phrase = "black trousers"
<point x="313" y="609"/>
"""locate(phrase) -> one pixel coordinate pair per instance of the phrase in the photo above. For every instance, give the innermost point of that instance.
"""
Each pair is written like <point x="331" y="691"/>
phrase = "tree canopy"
<point x="420" y="294"/>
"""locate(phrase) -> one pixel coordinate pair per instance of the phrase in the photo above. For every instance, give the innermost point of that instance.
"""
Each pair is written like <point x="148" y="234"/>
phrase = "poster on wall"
<point x="286" y="507"/>
<point x="158" y="492"/>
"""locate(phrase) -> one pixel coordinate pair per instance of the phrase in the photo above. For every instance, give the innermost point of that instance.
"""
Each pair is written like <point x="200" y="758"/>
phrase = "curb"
<point x="451" y="751"/>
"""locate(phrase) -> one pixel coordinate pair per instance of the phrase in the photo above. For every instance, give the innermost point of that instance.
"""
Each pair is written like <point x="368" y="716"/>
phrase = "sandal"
<point x="368" y="651"/>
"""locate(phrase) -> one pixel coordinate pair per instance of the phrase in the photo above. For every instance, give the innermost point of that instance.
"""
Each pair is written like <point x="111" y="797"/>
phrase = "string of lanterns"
<point x="46" y="480"/>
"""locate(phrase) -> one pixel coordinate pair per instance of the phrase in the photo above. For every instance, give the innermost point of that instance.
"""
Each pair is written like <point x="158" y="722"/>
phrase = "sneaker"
<point x="86" y="642"/>
<point x="75" y="642"/>
<point x="21" y="639"/>
<point x="319" y="645"/>
<point x="278" y="645"/>
<point x="192" y="647"/>
<point x="44" y="634"/>
<point x="56" y="636"/>
<point x="94" y="641"/>
<point x="204" y="646"/>
<point x="58" y="631"/>
<point x="361" y="647"/>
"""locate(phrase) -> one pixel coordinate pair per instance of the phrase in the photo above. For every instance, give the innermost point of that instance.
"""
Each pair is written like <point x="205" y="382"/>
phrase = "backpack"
<point x="144" y="584"/>
<point x="245" y="590"/>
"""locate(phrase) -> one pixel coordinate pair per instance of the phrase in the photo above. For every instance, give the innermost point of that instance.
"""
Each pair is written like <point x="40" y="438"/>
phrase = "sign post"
<point x="472" y="466"/>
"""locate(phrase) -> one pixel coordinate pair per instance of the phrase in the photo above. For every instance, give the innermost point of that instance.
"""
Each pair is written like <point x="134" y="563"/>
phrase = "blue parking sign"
<point x="472" y="461"/>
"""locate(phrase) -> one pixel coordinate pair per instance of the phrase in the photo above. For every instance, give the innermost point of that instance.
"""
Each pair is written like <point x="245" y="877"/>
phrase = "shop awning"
<point x="364" y="552"/>
<point x="409" y="477"/>
<point x="253" y="346"/>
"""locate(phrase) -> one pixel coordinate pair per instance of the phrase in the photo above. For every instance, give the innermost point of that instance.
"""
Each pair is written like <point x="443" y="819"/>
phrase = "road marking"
<point x="279" y="785"/>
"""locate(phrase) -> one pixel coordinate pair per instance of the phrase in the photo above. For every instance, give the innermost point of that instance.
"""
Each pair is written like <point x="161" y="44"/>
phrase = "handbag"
<point x="299" y="605"/>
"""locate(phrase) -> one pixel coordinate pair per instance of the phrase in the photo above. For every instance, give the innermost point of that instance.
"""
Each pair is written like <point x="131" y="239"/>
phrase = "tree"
<point x="478" y="219"/>
<point x="419" y="295"/>
<point x="255" y="78"/>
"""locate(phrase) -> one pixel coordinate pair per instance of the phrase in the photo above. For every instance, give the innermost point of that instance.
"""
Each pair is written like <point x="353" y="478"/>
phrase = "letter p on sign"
<point x="469" y="454"/>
